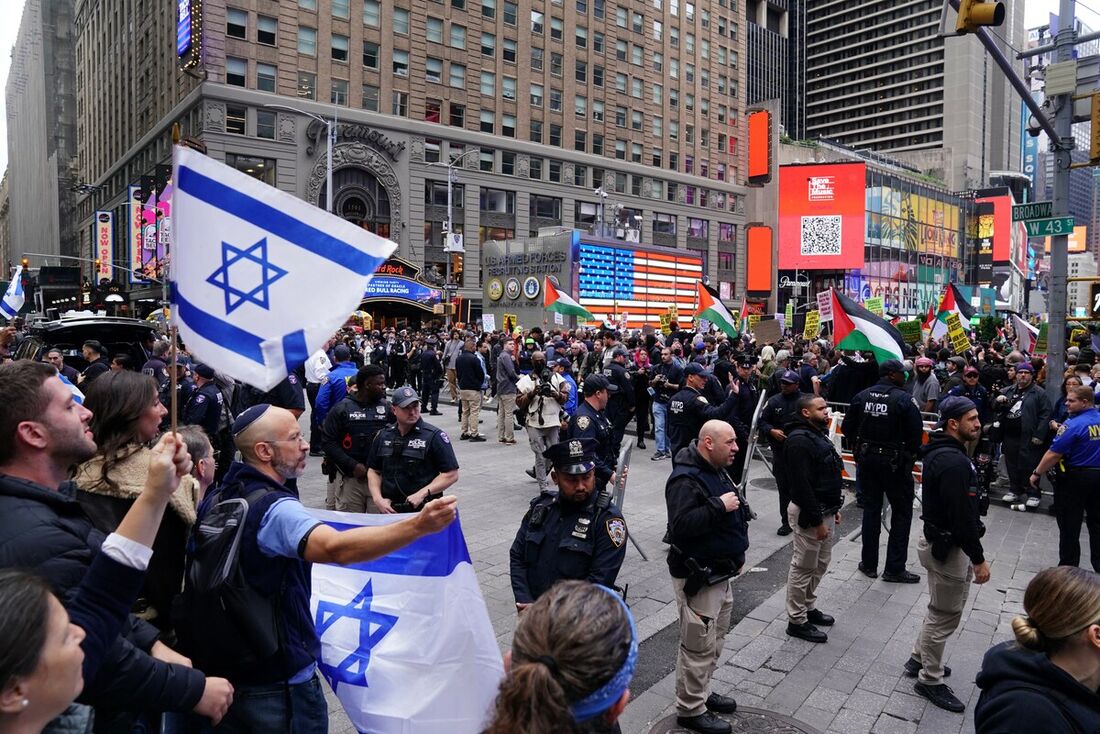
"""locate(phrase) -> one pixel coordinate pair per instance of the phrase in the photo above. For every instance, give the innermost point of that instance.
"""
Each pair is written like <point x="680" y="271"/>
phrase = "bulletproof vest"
<point x="881" y="409"/>
<point x="828" y="466"/>
<point x="728" y="536"/>
<point x="576" y="539"/>
<point x="405" y="465"/>
<point x="363" y="424"/>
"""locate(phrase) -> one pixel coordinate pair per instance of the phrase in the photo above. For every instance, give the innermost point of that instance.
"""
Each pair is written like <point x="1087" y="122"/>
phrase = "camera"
<point x="545" y="387"/>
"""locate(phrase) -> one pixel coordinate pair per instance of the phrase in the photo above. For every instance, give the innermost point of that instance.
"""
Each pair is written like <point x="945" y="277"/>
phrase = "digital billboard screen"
<point x="640" y="283"/>
<point x="822" y="216"/>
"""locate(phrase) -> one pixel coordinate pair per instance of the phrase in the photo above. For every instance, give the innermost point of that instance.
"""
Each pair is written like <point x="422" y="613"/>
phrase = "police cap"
<point x="694" y="368"/>
<point x="890" y="366"/>
<point x="575" y="456"/>
<point x="405" y="396"/>
<point x="789" y="376"/>
<point x="204" y="371"/>
<point x="596" y="382"/>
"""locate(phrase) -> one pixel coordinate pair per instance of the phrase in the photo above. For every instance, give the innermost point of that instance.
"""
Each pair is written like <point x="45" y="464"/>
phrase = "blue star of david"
<point x="373" y="626"/>
<point x="258" y="295"/>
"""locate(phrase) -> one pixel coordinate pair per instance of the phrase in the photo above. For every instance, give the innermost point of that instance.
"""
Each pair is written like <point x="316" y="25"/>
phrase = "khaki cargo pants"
<point x="809" y="562"/>
<point x="704" y="622"/>
<point x="948" y="587"/>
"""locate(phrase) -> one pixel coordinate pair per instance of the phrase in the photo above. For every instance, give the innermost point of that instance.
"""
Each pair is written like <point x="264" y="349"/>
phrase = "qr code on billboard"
<point x="821" y="235"/>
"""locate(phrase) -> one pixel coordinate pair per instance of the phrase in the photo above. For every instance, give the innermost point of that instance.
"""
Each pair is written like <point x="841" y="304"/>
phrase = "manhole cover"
<point x="763" y="483"/>
<point x="745" y="720"/>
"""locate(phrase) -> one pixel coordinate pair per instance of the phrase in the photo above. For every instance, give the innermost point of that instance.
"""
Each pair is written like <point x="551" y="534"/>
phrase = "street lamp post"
<point x="452" y="178"/>
<point x="330" y="133"/>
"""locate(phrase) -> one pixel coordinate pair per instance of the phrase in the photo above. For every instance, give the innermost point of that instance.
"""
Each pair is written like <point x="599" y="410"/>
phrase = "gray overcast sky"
<point x="1035" y="13"/>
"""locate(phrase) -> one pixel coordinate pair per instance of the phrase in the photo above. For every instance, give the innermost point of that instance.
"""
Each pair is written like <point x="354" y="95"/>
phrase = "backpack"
<point x="220" y="619"/>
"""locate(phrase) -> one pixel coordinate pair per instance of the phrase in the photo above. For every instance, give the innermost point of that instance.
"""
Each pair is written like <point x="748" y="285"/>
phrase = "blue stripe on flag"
<point x="433" y="555"/>
<point x="281" y="224"/>
<point x="6" y="310"/>
<point x="215" y="330"/>
<point x="295" y="351"/>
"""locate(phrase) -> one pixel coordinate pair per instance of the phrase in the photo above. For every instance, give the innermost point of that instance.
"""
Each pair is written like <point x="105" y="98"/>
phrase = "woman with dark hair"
<point x="46" y="653"/>
<point x="1047" y="680"/>
<point x="573" y="655"/>
<point x="126" y="417"/>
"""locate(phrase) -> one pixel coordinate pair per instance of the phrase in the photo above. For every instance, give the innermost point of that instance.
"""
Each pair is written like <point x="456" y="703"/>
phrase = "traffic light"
<point x="976" y="13"/>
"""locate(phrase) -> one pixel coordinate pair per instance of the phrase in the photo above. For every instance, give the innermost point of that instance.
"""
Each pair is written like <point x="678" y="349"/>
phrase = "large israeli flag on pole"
<point x="406" y="642"/>
<point x="13" y="298"/>
<point x="260" y="278"/>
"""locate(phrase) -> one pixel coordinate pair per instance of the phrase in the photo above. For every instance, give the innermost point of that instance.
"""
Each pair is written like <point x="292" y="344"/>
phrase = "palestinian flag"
<point x="951" y="302"/>
<point x="743" y="316"/>
<point x="711" y="309"/>
<point x="558" y="302"/>
<point x="857" y="329"/>
<point x="1026" y="334"/>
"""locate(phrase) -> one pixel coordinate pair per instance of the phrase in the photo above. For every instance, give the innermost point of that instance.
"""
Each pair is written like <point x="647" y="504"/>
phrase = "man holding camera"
<point x="708" y="536"/>
<point x="542" y="393"/>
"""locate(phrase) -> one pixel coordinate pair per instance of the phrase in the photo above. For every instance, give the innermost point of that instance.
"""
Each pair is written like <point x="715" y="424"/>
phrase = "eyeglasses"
<point x="299" y="439"/>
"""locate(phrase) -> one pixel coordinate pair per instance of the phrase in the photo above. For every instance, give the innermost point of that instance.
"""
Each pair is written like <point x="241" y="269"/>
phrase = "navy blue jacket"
<point x="468" y="371"/>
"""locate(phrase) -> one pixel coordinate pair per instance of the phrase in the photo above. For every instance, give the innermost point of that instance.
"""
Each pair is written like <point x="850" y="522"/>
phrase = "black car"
<point x="117" y="334"/>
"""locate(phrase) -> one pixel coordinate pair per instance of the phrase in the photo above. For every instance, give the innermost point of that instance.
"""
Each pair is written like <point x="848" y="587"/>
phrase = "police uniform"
<point x="1077" y="491"/>
<point x="620" y="405"/>
<point x="409" y="463"/>
<point x="688" y="410"/>
<point x="559" y="539"/>
<point x="885" y="428"/>
<point x="779" y="411"/>
<point x="204" y="409"/>
<point x="747" y="398"/>
<point x="587" y="422"/>
<point x="349" y="432"/>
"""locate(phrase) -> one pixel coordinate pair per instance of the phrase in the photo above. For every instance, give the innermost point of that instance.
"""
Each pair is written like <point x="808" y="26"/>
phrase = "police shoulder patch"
<point x="702" y="400"/>
<point x="583" y="422"/>
<point x="1062" y="429"/>
<point x="616" y="531"/>
<point x="445" y="438"/>
<point x="200" y="398"/>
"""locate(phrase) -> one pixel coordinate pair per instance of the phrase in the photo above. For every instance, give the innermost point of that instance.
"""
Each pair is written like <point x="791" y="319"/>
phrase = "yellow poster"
<point x="813" y="325"/>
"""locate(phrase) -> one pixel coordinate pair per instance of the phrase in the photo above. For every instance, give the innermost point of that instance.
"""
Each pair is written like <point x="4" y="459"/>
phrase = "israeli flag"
<point x="13" y="297"/>
<point x="406" y="642"/>
<point x="78" y="396"/>
<point x="260" y="278"/>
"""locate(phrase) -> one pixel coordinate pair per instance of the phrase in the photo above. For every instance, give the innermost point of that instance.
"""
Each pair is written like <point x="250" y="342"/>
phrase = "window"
<point x="674" y="36"/>
<point x="265" y="77"/>
<point x="598" y="42"/>
<point x="433" y="70"/>
<point x="658" y="62"/>
<point x="339" y="92"/>
<point x="704" y="48"/>
<point x="511" y="13"/>
<point x="555" y="63"/>
<point x="508" y="164"/>
<point x="664" y="223"/>
<point x="555" y="135"/>
<point x="620" y="116"/>
<point x="458" y="36"/>
<point x="372" y="13"/>
<point x="488" y="44"/>
<point x="339" y="47"/>
<point x="536" y="95"/>
<point x="400" y="21"/>
<point x="554" y="171"/>
<point x="457" y="78"/>
<point x="689" y="163"/>
<point x="266" y="28"/>
<point x="636" y="87"/>
<point x="620" y="16"/>
<point x="597" y="109"/>
<point x="488" y="9"/>
<point x="509" y="88"/>
<point x="636" y="53"/>
<point x="488" y="83"/>
<point x="597" y="144"/>
<point x="236" y="71"/>
<point x="598" y="8"/>
<point x="236" y="23"/>
<point x="486" y="160"/>
<point x="672" y="191"/>
<point x="307" y="41"/>
<point x="496" y="201"/>
<point x="673" y="98"/>
<point x="555" y="100"/>
<point x="657" y="125"/>
<point x="674" y="68"/>
<point x="597" y="75"/>
<point x="433" y="31"/>
<point x="689" y="72"/>
<point x="698" y="228"/>
<point x="340" y="9"/>
<point x="537" y="22"/>
<point x="580" y="140"/>
<point x="307" y="85"/>
<point x="582" y="37"/>
<point x="581" y="71"/>
<point x="508" y="126"/>
<point x="458" y="117"/>
<point x="673" y="130"/>
<point x="459" y="4"/>
<point x="620" y="49"/>
<point x="370" y="98"/>
<point x="400" y="104"/>
<point x="535" y="168"/>
<point x="658" y="30"/>
<point x="536" y="58"/>
<point x="673" y="162"/>
<point x="658" y="94"/>
<point x="580" y="175"/>
<point x="582" y="7"/>
<point x="260" y="168"/>
<point x="620" y="149"/>
<point x="636" y="186"/>
<point x="545" y="207"/>
<point x="307" y="4"/>
<point x="620" y="81"/>
<point x="580" y="106"/>
<point x="557" y="28"/>
<point x="635" y="120"/>
<point x="584" y="212"/>
<point x="727" y="232"/>
<point x="265" y="124"/>
<point x="433" y="149"/>
<point x="400" y="62"/>
<point x="637" y="22"/>
<point x="689" y="43"/>
<point x="725" y="259"/>
<point x="535" y="134"/>
<point x="487" y="121"/>
<point x="370" y="55"/>
<point x="655" y="157"/>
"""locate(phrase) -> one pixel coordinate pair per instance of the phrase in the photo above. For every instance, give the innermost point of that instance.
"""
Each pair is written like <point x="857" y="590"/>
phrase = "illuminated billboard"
<point x="638" y="283"/>
<point x="822" y="216"/>
<point x="1076" y="242"/>
<point x="760" y="147"/>
<point x="759" y="268"/>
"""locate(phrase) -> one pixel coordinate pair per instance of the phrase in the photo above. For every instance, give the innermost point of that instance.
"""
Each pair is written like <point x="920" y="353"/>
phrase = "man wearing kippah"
<point x="950" y="548"/>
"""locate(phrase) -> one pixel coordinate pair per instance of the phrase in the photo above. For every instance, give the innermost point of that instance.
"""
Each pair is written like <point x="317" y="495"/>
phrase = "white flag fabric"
<point x="406" y="641"/>
<point x="1026" y="334"/>
<point x="260" y="278"/>
<point x="13" y="298"/>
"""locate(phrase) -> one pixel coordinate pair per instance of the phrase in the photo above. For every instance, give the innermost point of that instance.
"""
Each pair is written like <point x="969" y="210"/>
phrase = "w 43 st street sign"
<point x="1049" y="227"/>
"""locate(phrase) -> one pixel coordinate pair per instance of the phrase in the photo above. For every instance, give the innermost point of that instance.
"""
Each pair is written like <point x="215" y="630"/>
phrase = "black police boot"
<point x="721" y="704"/>
<point x="868" y="572"/>
<point x="941" y="696"/>
<point x="806" y="631"/>
<point x="913" y="666"/>
<point x="903" y="577"/>
<point x="705" y="723"/>
<point x="784" y="530"/>
<point x="817" y="617"/>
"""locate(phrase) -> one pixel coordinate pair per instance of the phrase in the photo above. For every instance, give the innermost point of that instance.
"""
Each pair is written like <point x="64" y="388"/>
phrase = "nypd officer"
<point x="747" y="398"/>
<point x="1077" y="491"/>
<point x="349" y="432"/>
<point x="885" y="427"/>
<point x="688" y="410"/>
<point x="620" y="406"/>
<point x="950" y="548"/>
<point x="412" y="462"/>
<point x="204" y="408"/>
<point x="781" y="409"/>
<point x="574" y="533"/>
<point x="589" y="421"/>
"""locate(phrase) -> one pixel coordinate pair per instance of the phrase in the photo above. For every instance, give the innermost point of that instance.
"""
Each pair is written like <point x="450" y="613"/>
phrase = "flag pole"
<point x="172" y="379"/>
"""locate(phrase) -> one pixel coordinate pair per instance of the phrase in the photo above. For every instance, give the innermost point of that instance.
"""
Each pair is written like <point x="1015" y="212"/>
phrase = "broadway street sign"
<point x="1034" y="210"/>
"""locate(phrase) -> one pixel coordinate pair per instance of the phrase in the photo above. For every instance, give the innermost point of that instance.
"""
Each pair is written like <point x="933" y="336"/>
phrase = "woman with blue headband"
<point x="569" y="670"/>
